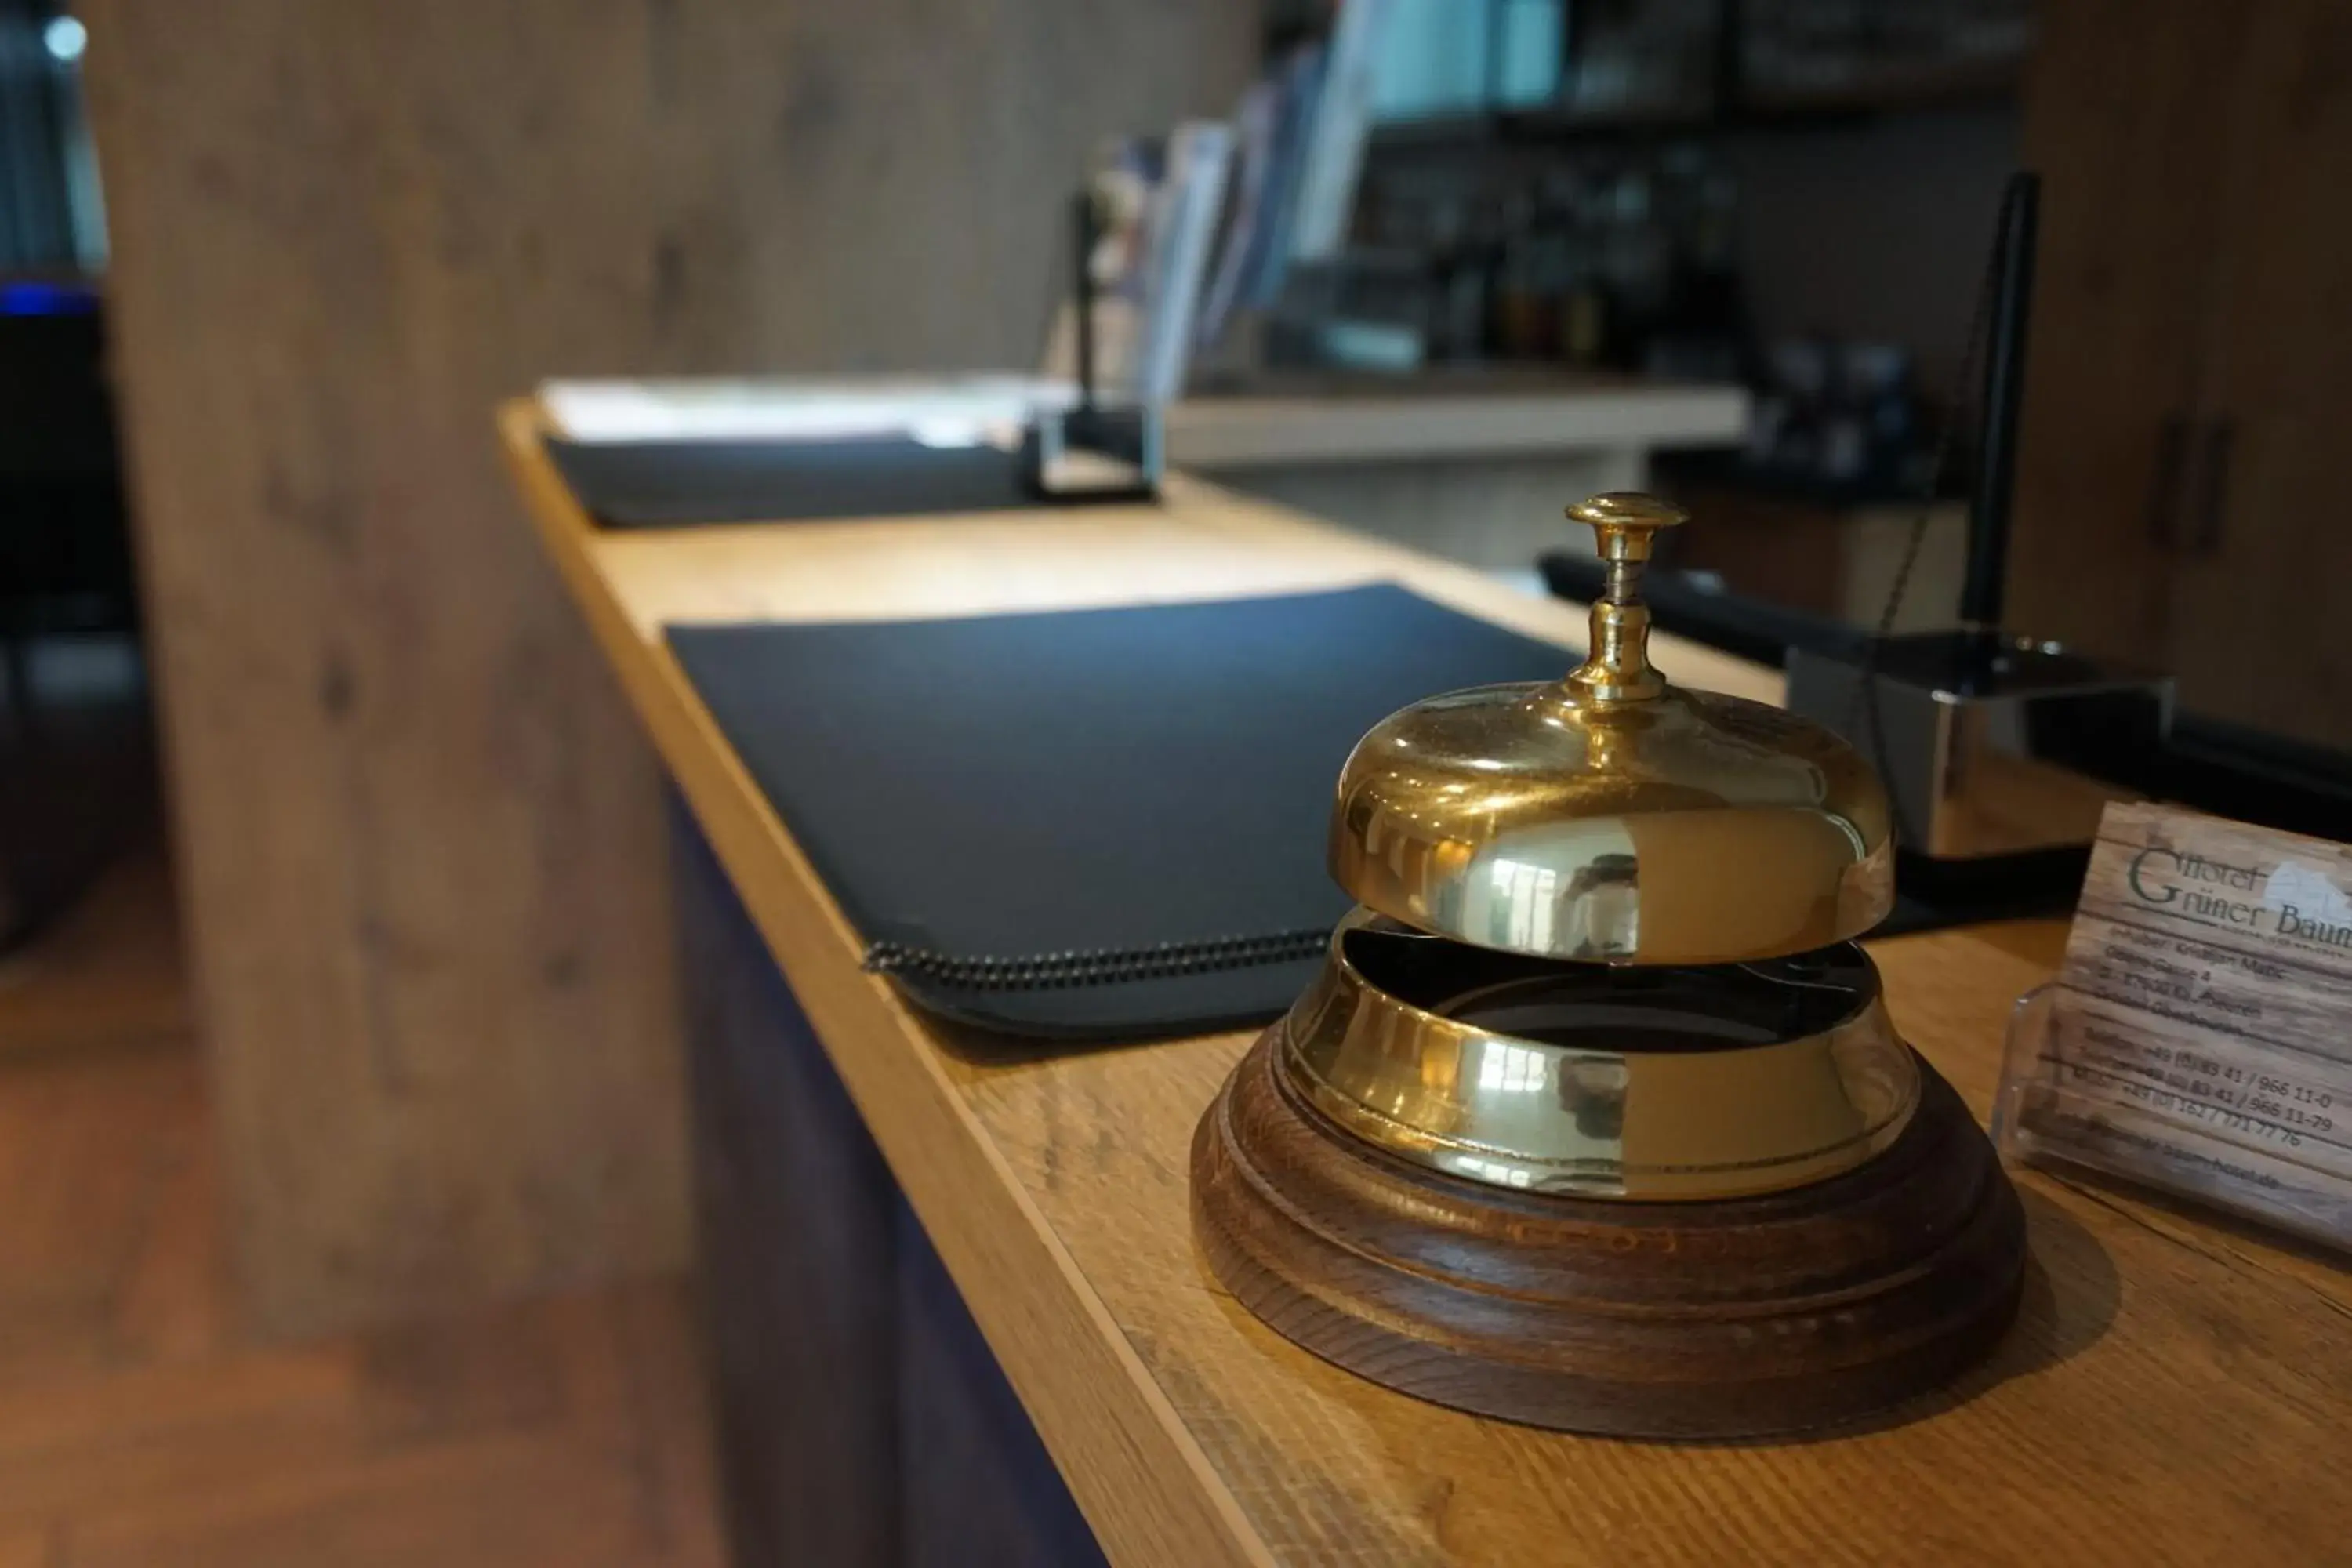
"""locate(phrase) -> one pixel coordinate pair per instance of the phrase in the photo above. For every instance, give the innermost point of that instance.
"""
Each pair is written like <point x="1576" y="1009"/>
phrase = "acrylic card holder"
<point x="2198" y="1036"/>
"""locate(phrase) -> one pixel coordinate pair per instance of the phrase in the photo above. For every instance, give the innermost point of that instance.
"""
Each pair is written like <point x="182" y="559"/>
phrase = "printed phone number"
<point x="2192" y="1107"/>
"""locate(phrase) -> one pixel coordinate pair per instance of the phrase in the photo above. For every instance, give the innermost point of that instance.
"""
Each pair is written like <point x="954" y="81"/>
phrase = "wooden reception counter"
<point x="2176" y="1391"/>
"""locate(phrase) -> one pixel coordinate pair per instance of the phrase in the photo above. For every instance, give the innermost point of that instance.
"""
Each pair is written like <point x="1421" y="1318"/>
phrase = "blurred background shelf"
<point x="1924" y="89"/>
<point x="1468" y="462"/>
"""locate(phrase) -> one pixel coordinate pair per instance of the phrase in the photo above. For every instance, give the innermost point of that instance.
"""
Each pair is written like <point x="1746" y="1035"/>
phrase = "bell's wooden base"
<point x="1709" y="1319"/>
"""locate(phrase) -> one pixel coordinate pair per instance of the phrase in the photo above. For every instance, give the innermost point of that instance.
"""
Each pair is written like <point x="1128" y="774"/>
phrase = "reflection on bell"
<point x="1608" y="815"/>
<point x="1714" y="1081"/>
<point x="1595" y="1117"/>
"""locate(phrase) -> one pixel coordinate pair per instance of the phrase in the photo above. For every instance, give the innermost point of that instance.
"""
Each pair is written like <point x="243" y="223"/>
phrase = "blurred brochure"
<point x="1301" y="131"/>
<point x="1190" y="201"/>
<point x="1334" y="144"/>
<point x="1271" y="126"/>
<point x="1157" y="209"/>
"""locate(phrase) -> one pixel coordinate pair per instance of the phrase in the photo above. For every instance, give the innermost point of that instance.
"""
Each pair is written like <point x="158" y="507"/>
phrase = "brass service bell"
<point x="1601" y="995"/>
<point x="1603" y="936"/>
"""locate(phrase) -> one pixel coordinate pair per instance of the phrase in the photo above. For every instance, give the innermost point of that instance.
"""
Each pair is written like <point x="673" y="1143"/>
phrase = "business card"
<point x="2198" y="1036"/>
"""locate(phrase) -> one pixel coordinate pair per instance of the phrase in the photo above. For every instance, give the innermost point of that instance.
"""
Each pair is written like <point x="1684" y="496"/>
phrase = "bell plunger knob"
<point x="1616" y="668"/>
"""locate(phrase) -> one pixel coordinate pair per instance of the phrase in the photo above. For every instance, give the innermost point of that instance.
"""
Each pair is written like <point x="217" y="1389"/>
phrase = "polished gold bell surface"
<point x="1609" y="815"/>
<point x="1587" y="1080"/>
<point x="1604" y="940"/>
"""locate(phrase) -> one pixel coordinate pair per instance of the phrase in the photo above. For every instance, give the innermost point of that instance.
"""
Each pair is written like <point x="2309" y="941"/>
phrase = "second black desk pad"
<point x="1039" y="788"/>
<point x="678" y="484"/>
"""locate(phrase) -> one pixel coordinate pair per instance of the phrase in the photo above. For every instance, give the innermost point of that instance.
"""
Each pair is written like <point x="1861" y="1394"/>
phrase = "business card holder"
<point x="2193" y="1042"/>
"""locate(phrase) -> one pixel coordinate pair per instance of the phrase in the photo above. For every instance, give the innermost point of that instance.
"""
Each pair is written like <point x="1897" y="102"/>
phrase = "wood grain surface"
<point x="142" y="1427"/>
<point x="2120" y="119"/>
<point x="108" y="971"/>
<point x="2174" y="1390"/>
<point x="420" y="839"/>
<point x="1775" y="1313"/>
<point x="2263" y="582"/>
<point x="2190" y="396"/>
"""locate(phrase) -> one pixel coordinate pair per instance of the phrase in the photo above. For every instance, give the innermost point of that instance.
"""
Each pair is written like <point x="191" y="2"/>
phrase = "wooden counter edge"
<point x="1142" y="1480"/>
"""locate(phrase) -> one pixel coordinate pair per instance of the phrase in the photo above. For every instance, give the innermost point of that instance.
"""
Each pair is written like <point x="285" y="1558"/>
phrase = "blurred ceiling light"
<point x="65" y="39"/>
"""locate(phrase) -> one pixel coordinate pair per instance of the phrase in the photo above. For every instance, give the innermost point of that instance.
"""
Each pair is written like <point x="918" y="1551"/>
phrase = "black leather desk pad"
<point x="1021" y="787"/>
<point x="678" y="484"/>
<point x="1013" y="787"/>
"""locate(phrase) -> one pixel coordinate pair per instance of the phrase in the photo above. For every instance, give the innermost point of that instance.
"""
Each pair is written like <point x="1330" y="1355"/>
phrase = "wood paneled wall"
<point x="2190" y="400"/>
<point x="418" y="832"/>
